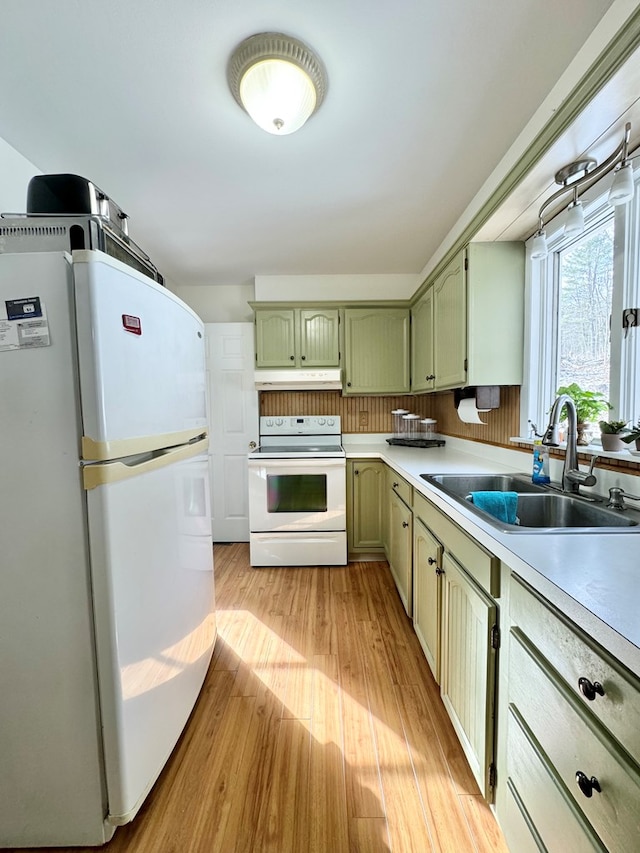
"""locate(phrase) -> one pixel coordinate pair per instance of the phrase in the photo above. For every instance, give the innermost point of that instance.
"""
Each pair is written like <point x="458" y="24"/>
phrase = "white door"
<point x="233" y="418"/>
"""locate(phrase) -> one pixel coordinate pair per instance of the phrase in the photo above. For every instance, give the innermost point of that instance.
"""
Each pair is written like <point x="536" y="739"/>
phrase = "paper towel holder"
<point x="487" y="396"/>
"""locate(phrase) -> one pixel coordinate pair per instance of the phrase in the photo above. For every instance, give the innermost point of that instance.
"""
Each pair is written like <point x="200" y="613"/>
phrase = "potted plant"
<point x="634" y="435"/>
<point x="589" y="406"/>
<point x="610" y="434"/>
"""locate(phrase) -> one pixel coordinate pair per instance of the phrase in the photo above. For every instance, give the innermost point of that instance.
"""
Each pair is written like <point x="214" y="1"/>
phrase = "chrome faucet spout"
<point x="572" y="476"/>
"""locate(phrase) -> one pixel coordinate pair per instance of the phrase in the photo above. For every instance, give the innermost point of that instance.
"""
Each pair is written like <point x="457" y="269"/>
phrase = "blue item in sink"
<point x="502" y="505"/>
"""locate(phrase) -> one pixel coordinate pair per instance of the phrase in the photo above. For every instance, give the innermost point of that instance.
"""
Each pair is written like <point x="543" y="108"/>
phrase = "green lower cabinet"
<point x="366" y="486"/>
<point x="427" y="594"/>
<point x="569" y="748"/>
<point x="468" y="668"/>
<point x="400" y="549"/>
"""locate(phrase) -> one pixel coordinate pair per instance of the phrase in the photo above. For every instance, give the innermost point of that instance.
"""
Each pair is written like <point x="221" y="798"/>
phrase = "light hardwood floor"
<point x="319" y="729"/>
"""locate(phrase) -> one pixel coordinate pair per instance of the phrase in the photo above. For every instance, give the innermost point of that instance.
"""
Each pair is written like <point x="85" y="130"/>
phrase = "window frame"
<point x="542" y="301"/>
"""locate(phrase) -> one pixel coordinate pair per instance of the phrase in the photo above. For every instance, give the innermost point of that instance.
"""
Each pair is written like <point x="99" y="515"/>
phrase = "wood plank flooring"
<point x="319" y="729"/>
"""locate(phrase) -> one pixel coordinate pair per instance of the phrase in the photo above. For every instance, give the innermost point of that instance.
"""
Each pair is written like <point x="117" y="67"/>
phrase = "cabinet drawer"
<point x="515" y="824"/>
<point x="401" y="487"/>
<point x="575" y="657"/>
<point x="480" y="564"/>
<point x="574" y="741"/>
<point x="539" y="795"/>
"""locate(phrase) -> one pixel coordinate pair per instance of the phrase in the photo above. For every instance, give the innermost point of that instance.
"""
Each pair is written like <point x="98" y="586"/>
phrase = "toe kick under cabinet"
<point x="571" y="730"/>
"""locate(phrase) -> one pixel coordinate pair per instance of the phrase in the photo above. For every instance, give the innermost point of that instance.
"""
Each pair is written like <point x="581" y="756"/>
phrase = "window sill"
<point x="631" y="456"/>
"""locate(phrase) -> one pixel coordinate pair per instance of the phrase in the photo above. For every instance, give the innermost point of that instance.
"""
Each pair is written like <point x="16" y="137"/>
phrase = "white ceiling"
<point x="425" y="97"/>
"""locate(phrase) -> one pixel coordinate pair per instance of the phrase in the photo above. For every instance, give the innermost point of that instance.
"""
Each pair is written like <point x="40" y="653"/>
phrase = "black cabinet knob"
<point x="348" y="385"/>
<point x="431" y="561"/>
<point x="356" y="472"/>
<point x="395" y="485"/>
<point x="439" y="571"/>
<point x="303" y="357"/>
<point x="292" y="358"/>
<point x="405" y="523"/>
<point x="586" y="785"/>
<point x="590" y="689"/>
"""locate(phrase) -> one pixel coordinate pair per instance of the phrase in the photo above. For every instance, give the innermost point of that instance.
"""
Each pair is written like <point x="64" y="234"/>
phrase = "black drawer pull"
<point x="589" y="690"/>
<point x="586" y="785"/>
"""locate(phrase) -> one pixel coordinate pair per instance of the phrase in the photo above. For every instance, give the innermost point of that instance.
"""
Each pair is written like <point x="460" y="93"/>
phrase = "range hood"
<point x="299" y="380"/>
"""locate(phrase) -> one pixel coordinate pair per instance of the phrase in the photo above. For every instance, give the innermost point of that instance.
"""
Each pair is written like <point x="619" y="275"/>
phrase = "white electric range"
<point x="298" y="493"/>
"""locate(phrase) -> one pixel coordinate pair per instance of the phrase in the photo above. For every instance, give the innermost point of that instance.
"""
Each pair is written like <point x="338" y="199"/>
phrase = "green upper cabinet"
<point x="476" y="307"/>
<point x="319" y="337"/>
<point x="376" y="357"/>
<point x="495" y="313"/>
<point x="297" y="337"/>
<point x="422" y="366"/>
<point x="450" y="326"/>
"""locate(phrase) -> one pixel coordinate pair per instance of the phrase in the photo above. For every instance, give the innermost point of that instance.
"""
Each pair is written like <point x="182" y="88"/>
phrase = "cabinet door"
<point x="422" y="366"/>
<point x="319" y="337"/>
<point x="367" y="490"/>
<point x="275" y="338"/>
<point x="450" y="326"/>
<point x="427" y="571"/>
<point x="468" y="668"/>
<point x="376" y="351"/>
<point x="400" y="559"/>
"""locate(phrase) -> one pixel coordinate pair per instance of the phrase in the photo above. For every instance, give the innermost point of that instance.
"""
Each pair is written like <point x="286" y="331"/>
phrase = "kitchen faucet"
<point x="572" y="476"/>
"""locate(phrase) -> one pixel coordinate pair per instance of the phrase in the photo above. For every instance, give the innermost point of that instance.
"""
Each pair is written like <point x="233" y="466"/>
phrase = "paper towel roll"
<point x="468" y="413"/>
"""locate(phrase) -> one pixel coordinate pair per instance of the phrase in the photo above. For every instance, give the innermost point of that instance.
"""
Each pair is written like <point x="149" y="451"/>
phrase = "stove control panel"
<point x="300" y="425"/>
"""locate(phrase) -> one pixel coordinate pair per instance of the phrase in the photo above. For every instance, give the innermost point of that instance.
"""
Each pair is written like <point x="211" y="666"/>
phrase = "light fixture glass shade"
<point x="278" y="95"/>
<point x="574" y="223"/>
<point x="278" y="80"/>
<point x="622" y="187"/>
<point x="539" y="249"/>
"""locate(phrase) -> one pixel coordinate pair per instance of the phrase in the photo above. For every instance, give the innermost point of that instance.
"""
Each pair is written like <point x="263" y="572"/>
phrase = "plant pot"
<point x="611" y="441"/>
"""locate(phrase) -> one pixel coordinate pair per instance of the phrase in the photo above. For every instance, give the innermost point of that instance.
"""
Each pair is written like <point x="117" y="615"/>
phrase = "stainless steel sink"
<point x="540" y="510"/>
<point x="463" y="484"/>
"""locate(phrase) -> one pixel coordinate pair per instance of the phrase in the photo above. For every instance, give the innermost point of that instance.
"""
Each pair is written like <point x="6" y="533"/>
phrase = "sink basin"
<point x="462" y="484"/>
<point x="539" y="509"/>
<point x="564" y="511"/>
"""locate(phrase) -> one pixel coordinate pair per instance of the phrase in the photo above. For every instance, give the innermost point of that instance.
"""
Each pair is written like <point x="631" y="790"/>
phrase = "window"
<point x="585" y="288"/>
<point x="583" y="309"/>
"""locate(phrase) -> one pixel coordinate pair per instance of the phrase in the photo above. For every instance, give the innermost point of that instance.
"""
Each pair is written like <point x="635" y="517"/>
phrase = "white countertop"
<point x="594" y="578"/>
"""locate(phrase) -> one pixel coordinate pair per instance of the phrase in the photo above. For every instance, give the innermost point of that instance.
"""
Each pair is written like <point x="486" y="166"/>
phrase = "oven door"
<point x="297" y="494"/>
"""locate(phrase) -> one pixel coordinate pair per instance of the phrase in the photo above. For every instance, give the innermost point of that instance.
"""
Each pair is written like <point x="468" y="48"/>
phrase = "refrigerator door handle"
<point x="103" y="451"/>
<point x="101" y="474"/>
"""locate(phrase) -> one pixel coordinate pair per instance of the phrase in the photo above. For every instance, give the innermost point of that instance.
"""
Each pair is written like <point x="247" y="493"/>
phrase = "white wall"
<point x="315" y="288"/>
<point x="15" y="173"/>
<point x="218" y="303"/>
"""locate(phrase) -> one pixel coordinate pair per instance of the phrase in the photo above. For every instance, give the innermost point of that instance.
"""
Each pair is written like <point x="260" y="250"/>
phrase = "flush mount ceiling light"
<point x="587" y="172"/>
<point x="277" y="80"/>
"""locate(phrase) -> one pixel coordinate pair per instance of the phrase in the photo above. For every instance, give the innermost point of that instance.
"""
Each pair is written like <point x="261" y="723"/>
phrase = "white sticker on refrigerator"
<point x="23" y="324"/>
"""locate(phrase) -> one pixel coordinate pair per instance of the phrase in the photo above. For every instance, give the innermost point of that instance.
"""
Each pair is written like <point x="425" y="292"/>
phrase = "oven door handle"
<point x="300" y="462"/>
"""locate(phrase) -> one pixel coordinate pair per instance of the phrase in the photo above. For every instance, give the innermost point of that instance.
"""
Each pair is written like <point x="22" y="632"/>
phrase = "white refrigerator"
<point x="107" y="619"/>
